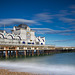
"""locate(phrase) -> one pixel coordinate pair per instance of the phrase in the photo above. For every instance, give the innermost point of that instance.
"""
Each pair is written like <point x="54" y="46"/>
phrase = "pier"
<point x="16" y="50"/>
<point x="23" y="42"/>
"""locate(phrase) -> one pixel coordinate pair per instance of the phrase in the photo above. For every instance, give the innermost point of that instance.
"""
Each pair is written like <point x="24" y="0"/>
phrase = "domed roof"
<point x="23" y="26"/>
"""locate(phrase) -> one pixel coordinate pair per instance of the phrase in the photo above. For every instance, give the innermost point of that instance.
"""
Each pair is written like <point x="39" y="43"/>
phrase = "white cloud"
<point x="50" y="31"/>
<point x="68" y="34"/>
<point x="66" y="16"/>
<point x="72" y="6"/>
<point x="67" y="20"/>
<point x="62" y="13"/>
<point x="43" y="17"/>
<point x="16" y="21"/>
<point x="66" y="40"/>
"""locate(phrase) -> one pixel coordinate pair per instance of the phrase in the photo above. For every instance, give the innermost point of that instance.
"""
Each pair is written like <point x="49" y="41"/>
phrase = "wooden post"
<point x="32" y="52"/>
<point x="10" y="53"/>
<point x="6" y="54"/>
<point x="47" y="52"/>
<point x="16" y="53"/>
<point x="25" y="52"/>
<point x="29" y="52"/>
<point x="13" y="53"/>
<point x="2" y="53"/>
<point x="44" y="52"/>
<point x="37" y="51"/>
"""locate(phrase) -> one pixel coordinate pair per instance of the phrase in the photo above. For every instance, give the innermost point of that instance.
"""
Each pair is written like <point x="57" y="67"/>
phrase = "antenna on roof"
<point x="4" y="29"/>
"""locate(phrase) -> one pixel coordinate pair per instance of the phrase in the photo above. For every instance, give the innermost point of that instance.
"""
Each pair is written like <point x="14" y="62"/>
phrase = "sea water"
<point x="56" y="64"/>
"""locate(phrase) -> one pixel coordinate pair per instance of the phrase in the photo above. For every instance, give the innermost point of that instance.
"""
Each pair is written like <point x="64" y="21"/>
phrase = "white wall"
<point x="32" y="36"/>
<point x="23" y="34"/>
<point x="40" y="40"/>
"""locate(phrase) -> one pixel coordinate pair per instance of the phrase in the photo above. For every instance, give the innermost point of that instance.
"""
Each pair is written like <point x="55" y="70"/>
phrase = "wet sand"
<point x="7" y="72"/>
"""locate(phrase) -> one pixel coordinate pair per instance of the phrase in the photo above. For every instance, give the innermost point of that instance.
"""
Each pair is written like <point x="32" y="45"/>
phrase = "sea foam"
<point x="22" y="66"/>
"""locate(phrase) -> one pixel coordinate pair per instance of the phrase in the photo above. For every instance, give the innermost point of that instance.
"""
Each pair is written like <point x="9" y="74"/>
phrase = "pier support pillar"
<point x="10" y="53"/>
<point x="25" y="52"/>
<point x="47" y="52"/>
<point x="43" y="52"/>
<point x="29" y="53"/>
<point x="6" y="54"/>
<point x="16" y="53"/>
<point x="2" y="53"/>
<point x="13" y="53"/>
<point x="37" y="51"/>
<point x="32" y="52"/>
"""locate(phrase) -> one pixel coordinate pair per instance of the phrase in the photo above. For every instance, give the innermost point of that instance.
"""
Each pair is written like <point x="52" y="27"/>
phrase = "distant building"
<point x="22" y="34"/>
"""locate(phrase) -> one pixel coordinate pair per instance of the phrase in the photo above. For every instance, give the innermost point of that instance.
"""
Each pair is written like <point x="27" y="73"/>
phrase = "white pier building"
<point x="21" y="34"/>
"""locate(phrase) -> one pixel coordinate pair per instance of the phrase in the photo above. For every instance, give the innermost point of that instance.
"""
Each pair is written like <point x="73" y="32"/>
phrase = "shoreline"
<point x="8" y="72"/>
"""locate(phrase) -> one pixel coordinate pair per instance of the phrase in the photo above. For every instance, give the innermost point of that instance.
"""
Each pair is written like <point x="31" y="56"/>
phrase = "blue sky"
<point x="54" y="19"/>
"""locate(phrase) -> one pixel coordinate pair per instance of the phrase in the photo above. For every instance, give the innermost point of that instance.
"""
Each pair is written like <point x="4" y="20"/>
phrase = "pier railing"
<point x="16" y="43"/>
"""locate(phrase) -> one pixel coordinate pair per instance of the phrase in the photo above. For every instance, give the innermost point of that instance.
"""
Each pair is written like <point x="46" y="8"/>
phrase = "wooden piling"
<point x="32" y="52"/>
<point x="37" y="51"/>
<point x="6" y="54"/>
<point x="16" y="53"/>
<point x="25" y="52"/>
<point x="29" y="53"/>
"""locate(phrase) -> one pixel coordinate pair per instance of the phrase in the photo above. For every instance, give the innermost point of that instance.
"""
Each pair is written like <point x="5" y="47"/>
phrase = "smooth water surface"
<point x="56" y="64"/>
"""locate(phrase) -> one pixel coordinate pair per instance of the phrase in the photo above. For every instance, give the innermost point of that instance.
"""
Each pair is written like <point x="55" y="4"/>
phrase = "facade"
<point x="22" y="34"/>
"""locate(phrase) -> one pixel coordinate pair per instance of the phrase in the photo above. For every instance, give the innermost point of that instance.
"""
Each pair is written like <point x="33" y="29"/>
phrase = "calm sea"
<point x="56" y="64"/>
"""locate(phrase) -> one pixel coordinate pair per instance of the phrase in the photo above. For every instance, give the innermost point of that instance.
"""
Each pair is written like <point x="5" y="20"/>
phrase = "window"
<point x="41" y="43"/>
<point x="43" y="40"/>
<point x="33" y="43"/>
<point x="23" y="42"/>
<point x="39" y="39"/>
<point x="29" y="43"/>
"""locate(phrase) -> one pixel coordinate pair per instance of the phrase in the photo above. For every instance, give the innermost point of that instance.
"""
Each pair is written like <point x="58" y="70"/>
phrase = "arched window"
<point x="1" y="36"/>
<point x="43" y="40"/>
<point x="19" y="37"/>
<point x="10" y="37"/>
<point x="39" y="39"/>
